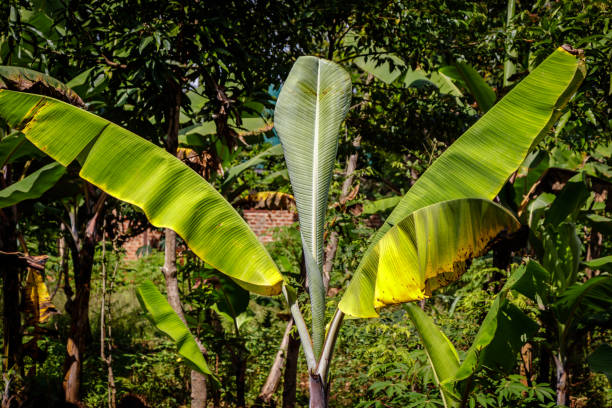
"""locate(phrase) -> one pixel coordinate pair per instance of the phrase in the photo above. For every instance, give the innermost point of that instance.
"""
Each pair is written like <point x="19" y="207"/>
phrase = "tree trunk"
<point x="290" y="375"/>
<point x="274" y="377"/>
<point x="106" y="331"/>
<point x="562" y="380"/>
<point x="79" y="315"/>
<point x="240" y="364"/>
<point x="83" y="252"/>
<point x="198" y="380"/>
<point x="198" y="390"/>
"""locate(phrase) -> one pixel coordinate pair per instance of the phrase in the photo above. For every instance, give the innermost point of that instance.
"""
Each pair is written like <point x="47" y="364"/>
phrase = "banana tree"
<point x="444" y="219"/>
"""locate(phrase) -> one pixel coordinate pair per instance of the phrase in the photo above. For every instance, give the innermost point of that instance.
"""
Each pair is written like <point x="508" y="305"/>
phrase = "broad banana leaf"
<point x="482" y="92"/>
<point x="479" y="163"/>
<point x="514" y="329"/>
<point x="38" y="305"/>
<point x="569" y="201"/>
<point x="311" y="106"/>
<point x="32" y="186"/>
<point x="136" y="171"/>
<point x="27" y="80"/>
<point x="165" y="319"/>
<point x="429" y="249"/>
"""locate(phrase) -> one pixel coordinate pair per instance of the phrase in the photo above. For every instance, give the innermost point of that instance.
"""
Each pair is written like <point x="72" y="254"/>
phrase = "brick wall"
<point x="149" y="237"/>
<point x="263" y="222"/>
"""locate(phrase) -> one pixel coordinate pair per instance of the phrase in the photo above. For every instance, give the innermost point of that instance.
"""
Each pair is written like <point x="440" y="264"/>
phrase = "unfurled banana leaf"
<point x="32" y="186"/>
<point x="479" y="163"/>
<point x="165" y="319"/>
<point x="311" y="106"/>
<point x="428" y="249"/>
<point x="136" y="171"/>
<point x="27" y="80"/>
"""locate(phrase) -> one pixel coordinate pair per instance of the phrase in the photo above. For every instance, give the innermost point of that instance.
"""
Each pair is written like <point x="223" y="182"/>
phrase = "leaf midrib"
<point x="315" y="168"/>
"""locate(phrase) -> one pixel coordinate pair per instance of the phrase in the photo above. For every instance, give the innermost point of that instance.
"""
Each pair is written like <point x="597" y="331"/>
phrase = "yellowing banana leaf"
<point x="479" y="163"/>
<point x="311" y="106"/>
<point x="429" y="248"/>
<point x="138" y="172"/>
<point x="165" y="319"/>
<point x="32" y="186"/>
<point x="38" y="305"/>
<point x="27" y="80"/>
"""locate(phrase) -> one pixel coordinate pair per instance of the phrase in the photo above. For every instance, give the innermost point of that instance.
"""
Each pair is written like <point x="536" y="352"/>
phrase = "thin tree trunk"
<point x="239" y="362"/>
<point x="79" y="329"/>
<point x="562" y="380"/>
<point x="198" y="380"/>
<point x="276" y="372"/>
<point x="80" y="333"/>
<point x="290" y="374"/>
<point x="107" y="357"/>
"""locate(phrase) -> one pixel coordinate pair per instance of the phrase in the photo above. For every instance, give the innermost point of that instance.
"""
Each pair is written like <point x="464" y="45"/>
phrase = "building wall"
<point x="263" y="222"/>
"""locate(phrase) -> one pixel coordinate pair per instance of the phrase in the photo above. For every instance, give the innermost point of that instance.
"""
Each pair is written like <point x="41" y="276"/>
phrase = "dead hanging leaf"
<point x="268" y="200"/>
<point x="204" y="163"/>
<point x="38" y="305"/>
<point x="27" y="80"/>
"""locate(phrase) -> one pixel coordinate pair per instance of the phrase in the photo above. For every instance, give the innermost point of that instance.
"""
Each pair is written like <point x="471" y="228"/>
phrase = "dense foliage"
<point x="201" y="79"/>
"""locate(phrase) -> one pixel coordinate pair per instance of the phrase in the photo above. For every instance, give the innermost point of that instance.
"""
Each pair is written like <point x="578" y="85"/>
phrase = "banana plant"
<point x="445" y="218"/>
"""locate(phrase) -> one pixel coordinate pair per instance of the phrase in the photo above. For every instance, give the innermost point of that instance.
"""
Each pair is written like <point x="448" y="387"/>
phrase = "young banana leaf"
<point x="311" y="106"/>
